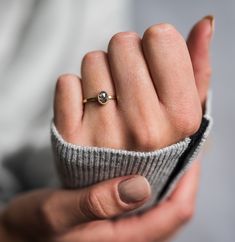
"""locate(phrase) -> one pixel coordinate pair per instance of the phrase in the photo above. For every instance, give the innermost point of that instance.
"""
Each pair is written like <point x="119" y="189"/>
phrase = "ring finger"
<point x="98" y="118"/>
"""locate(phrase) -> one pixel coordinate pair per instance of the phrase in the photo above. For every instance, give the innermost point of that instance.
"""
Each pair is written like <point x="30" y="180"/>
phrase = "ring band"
<point x="101" y="98"/>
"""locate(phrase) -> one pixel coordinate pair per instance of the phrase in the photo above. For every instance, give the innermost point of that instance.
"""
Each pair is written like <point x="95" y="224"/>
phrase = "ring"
<point x="101" y="98"/>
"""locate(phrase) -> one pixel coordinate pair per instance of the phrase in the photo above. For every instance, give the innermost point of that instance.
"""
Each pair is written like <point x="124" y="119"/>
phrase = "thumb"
<point x="100" y="201"/>
<point x="198" y="44"/>
<point x="112" y="198"/>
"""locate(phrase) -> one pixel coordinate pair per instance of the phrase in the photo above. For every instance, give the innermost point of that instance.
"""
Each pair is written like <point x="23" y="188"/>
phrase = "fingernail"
<point x="211" y="18"/>
<point x="134" y="190"/>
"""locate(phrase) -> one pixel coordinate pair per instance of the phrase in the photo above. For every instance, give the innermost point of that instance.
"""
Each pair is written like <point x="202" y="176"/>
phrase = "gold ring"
<point x="101" y="98"/>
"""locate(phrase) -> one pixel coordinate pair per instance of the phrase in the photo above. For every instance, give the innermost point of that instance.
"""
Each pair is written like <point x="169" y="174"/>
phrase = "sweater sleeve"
<point x="80" y="166"/>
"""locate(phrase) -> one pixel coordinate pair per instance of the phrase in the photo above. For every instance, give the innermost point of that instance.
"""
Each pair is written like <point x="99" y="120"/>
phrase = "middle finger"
<point x="137" y="99"/>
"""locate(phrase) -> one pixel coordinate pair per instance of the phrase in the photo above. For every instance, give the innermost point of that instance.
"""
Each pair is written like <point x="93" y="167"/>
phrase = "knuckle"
<point x="185" y="213"/>
<point x="47" y="217"/>
<point x="147" y="142"/>
<point x="159" y="30"/>
<point x="123" y="37"/>
<point x="146" y="137"/>
<point x="64" y="80"/>
<point x="113" y="140"/>
<point x="93" y="55"/>
<point x="208" y="73"/>
<point x="94" y="206"/>
<point x="204" y="72"/>
<point x="188" y="125"/>
<point x="188" y="121"/>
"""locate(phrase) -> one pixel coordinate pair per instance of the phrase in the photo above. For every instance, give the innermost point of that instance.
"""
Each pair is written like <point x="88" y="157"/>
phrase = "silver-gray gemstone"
<point x="103" y="97"/>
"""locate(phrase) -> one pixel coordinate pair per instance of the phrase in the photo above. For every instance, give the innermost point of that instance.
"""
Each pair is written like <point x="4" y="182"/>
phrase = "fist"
<point x="157" y="101"/>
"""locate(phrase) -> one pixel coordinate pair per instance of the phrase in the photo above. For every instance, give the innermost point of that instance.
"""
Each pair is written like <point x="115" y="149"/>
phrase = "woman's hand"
<point x="83" y="215"/>
<point x="160" y="93"/>
<point x="158" y="100"/>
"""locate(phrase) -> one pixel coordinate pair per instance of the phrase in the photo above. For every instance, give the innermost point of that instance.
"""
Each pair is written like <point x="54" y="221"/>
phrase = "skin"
<point x="161" y="83"/>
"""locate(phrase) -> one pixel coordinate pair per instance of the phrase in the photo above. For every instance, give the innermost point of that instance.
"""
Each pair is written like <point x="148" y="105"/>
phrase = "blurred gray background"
<point x="40" y="39"/>
<point x="214" y="220"/>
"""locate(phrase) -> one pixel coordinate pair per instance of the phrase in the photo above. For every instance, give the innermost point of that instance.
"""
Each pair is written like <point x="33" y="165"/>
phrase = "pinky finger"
<point x="68" y="107"/>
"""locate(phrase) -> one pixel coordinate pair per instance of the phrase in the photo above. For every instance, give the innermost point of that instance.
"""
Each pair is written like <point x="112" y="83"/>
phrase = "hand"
<point x="158" y="104"/>
<point x="158" y="97"/>
<point x="79" y="215"/>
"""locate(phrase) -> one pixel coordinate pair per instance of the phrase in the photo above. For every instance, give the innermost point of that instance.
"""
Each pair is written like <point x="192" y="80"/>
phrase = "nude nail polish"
<point x="211" y="18"/>
<point x="133" y="190"/>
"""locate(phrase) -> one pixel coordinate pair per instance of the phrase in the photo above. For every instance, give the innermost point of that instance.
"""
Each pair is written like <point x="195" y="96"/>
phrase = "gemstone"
<point x="103" y="97"/>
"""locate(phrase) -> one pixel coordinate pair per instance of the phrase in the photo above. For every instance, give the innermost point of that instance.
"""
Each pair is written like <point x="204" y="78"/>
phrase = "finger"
<point x="186" y="193"/>
<point x="54" y="212"/>
<point x="169" y="63"/>
<point x="68" y="108"/>
<point x="94" y="231"/>
<point x="104" y="200"/>
<point x="165" y="219"/>
<point x="104" y="119"/>
<point x="172" y="73"/>
<point x="137" y="99"/>
<point x="141" y="228"/>
<point x="198" y="44"/>
<point x="96" y="77"/>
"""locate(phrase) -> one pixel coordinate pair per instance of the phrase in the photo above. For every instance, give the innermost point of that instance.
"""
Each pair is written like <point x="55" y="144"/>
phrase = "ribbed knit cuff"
<point x="80" y="166"/>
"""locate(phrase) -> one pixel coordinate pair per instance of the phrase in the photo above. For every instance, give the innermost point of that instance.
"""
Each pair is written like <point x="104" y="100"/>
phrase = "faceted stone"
<point x="103" y="97"/>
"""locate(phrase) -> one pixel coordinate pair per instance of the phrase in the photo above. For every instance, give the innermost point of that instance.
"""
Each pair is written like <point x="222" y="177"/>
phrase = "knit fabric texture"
<point x="81" y="166"/>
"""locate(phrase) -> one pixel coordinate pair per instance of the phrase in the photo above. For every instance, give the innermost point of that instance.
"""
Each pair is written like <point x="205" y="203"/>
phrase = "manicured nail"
<point x="211" y="18"/>
<point x="134" y="190"/>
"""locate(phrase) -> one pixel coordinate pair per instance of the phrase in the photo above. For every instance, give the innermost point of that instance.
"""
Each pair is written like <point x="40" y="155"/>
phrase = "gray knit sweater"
<point x="81" y="166"/>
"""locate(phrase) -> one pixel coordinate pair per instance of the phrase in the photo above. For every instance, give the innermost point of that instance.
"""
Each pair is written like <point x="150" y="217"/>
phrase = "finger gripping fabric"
<point x="80" y="166"/>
